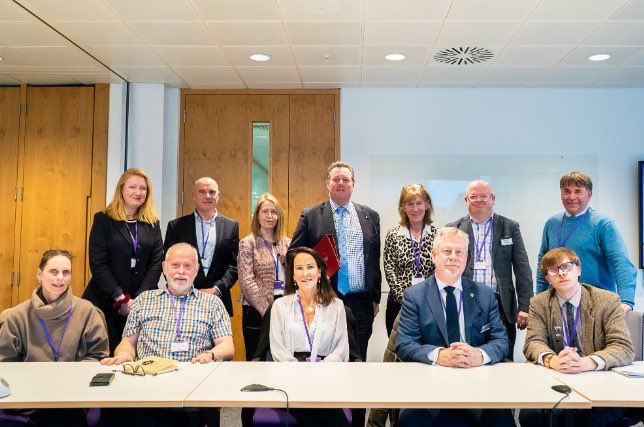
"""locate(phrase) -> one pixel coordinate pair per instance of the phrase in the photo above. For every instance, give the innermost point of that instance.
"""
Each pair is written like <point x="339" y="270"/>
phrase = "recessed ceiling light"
<point x="599" y="57"/>
<point x="395" y="56"/>
<point x="261" y="57"/>
<point x="1" y="58"/>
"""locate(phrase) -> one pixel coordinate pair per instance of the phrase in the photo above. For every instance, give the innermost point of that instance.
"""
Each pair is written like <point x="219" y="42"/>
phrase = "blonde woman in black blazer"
<point x="125" y="251"/>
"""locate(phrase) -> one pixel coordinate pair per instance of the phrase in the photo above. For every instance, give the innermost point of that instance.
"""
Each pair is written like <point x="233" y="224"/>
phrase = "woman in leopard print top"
<point x="407" y="249"/>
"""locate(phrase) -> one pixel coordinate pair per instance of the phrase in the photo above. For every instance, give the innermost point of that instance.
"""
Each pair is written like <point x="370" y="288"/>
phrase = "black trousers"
<point x="510" y="327"/>
<point x="251" y="323"/>
<point x="594" y="417"/>
<point x="456" y="417"/>
<point x="320" y="417"/>
<point x="393" y="308"/>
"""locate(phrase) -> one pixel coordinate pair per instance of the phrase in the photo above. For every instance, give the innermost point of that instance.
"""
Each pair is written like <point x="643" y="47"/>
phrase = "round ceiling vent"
<point x="463" y="55"/>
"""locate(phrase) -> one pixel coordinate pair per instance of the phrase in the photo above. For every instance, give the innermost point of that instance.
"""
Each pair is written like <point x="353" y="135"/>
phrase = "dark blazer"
<point x="223" y="267"/>
<point x="317" y="221"/>
<point x="422" y="326"/>
<point x="505" y="259"/>
<point x="110" y="252"/>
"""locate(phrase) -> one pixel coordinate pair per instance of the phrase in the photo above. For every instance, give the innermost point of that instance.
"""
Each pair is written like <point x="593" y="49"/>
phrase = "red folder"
<point x="326" y="248"/>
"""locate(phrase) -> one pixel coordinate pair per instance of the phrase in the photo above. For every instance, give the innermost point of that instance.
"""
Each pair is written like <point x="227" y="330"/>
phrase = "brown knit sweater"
<point x="22" y="338"/>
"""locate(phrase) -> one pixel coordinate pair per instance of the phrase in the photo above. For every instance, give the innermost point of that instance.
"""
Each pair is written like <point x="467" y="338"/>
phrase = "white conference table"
<point x="605" y="389"/>
<point x="381" y="385"/>
<point x="66" y="385"/>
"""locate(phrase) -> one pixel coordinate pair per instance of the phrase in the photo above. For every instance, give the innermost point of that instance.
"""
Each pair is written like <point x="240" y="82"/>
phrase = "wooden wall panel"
<point x="312" y="148"/>
<point x="218" y="143"/>
<point x="57" y="179"/>
<point x="9" y="138"/>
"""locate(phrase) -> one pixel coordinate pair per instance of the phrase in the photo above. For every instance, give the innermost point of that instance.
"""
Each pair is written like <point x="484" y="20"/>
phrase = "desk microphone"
<point x="261" y="387"/>
<point x="560" y="388"/>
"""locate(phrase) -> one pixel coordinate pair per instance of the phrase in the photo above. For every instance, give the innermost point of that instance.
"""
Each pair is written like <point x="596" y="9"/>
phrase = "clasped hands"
<point x="570" y="362"/>
<point x="460" y="355"/>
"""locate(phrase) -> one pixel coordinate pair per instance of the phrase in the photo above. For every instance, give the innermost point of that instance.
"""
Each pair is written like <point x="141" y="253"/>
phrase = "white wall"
<point x="604" y="124"/>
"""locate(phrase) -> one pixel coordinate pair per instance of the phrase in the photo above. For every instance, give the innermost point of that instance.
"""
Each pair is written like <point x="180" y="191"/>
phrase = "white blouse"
<point x="328" y="331"/>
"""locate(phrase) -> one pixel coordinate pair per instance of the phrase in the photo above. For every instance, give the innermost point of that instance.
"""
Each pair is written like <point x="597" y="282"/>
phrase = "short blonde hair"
<point x="256" y="228"/>
<point x="445" y="233"/>
<point x="578" y="179"/>
<point x="554" y="257"/>
<point x="407" y="193"/>
<point x="116" y="208"/>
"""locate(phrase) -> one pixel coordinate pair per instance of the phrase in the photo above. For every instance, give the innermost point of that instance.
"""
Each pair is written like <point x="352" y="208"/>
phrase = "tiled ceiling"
<point x="323" y="43"/>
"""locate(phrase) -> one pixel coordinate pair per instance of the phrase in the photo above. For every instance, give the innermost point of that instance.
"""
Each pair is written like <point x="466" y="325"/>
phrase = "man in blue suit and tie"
<point x="452" y="321"/>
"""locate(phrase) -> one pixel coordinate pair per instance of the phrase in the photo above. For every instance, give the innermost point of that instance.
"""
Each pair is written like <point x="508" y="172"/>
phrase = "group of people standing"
<point x="287" y="298"/>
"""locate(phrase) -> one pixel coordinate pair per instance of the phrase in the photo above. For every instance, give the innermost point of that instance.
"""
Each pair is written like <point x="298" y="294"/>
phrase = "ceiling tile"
<point x="66" y="10"/>
<point x="207" y="74"/>
<point x="12" y="57"/>
<point x="337" y="55"/>
<point x="533" y="55"/>
<point x="5" y="79"/>
<point x="330" y="85"/>
<point x="67" y="69"/>
<point x="240" y="55"/>
<point x="383" y="85"/>
<point x="248" y="33"/>
<point x="151" y="75"/>
<point x="29" y="34"/>
<point x="576" y="10"/>
<point x="625" y="75"/>
<point x="462" y="54"/>
<point x="416" y="55"/>
<point x="556" y="85"/>
<point x="401" y="73"/>
<point x="637" y="59"/>
<point x="617" y="85"/>
<point x="619" y="55"/>
<point x="618" y="33"/>
<point x="56" y="56"/>
<point x="237" y="10"/>
<point x="324" y="33"/>
<point x="575" y="74"/>
<point x="154" y="10"/>
<point x="88" y="79"/>
<point x="514" y="74"/>
<point x="501" y="85"/>
<point x="330" y="74"/>
<point x="469" y="74"/>
<point x="44" y="79"/>
<point x="100" y="33"/>
<point x="173" y="33"/>
<point x="128" y="56"/>
<point x="268" y="74"/>
<point x="274" y="86"/>
<point x="554" y="33"/>
<point x="491" y="10"/>
<point x="632" y="11"/>
<point x="9" y="11"/>
<point x="320" y="10"/>
<point x="407" y="10"/>
<point x="217" y="86"/>
<point x="418" y="33"/>
<point x="479" y="34"/>
<point x="191" y="55"/>
<point x="21" y="69"/>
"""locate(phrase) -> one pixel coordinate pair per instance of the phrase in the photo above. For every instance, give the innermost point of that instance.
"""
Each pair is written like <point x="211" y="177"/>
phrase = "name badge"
<point x="506" y="242"/>
<point x="178" y="346"/>
<point x="485" y="328"/>
<point x="132" y="262"/>
<point x="480" y="265"/>
<point x="415" y="280"/>
<point x="278" y="285"/>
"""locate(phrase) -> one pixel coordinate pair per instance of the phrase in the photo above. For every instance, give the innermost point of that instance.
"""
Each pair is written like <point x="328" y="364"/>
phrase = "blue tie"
<point x="343" y="273"/>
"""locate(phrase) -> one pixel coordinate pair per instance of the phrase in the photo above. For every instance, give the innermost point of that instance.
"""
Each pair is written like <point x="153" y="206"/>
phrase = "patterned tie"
<point x="570" y="318"/>
<point x="451" y="315"/>
<point x="343" y="273"/>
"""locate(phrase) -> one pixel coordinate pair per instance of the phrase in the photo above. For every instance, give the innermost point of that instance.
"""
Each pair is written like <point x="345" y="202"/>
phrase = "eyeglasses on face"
<point x="475" y="197"/>
<point x="565" y="268"/>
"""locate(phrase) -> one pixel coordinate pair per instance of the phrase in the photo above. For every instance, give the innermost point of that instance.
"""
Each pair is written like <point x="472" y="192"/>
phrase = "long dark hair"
<point x="325" y="293"/>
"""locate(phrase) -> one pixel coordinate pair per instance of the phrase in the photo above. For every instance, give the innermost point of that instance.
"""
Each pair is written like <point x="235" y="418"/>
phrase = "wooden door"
<point x="218" y="143"/>
<point x="57" y="179"/>
<point x="313" y="147"/>
<point x="9" y="137"/>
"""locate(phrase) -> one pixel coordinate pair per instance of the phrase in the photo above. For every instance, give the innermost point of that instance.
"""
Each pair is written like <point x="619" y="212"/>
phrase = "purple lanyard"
<point x="204" y="238"/>
<point x="417" y="252"/>
<point x="135" y="236"/>
<point x="306" y="328"/>
<point x="479" y="248"/>
<point x="180" y="315"/>
<point x="570" y="336"/>
<point x="559" y="241"/>
<point x="269" y="248"/>
<point x="460" y="305"/>
<point x="50" y="339"/>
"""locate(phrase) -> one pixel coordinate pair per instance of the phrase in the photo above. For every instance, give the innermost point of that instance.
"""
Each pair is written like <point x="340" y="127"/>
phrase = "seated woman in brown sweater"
<point x="53" y="326"/>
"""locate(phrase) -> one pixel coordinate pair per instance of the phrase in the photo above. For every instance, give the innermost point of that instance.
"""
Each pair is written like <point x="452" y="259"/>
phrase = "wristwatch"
<point x="547" y="359"/>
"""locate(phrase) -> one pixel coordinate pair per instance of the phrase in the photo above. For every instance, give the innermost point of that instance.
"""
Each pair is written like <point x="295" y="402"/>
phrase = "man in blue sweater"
<point x="593" y="237"/>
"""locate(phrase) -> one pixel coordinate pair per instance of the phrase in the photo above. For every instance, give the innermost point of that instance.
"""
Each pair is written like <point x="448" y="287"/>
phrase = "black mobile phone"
<point x="102" y="379"/>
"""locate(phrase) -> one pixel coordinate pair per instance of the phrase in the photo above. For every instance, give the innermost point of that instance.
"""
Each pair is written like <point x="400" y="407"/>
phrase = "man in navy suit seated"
<point x="452" y="321"/>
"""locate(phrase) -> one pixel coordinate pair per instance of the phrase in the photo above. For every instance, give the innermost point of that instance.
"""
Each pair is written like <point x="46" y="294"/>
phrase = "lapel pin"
<point x="472" y="295"/>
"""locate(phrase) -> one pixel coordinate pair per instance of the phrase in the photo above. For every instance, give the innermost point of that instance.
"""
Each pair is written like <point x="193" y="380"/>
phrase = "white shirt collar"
<point x="198" y="218"/>
<point x="458" y="285"/>
<point x="484" y="222"/>
<point x="579" y="214"/>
